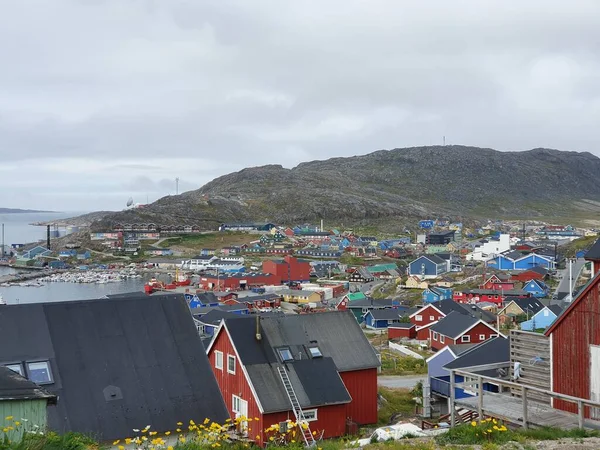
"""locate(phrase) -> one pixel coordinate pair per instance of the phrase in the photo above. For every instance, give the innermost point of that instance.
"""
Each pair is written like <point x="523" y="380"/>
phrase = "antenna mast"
<point x="177" y="186"/>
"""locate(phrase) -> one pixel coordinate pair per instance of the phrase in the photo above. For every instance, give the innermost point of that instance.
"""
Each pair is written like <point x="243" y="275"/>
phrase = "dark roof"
<point x="538" y="269"/>
<point x="492" y="351"/>
<point x="15" y="387"/>
<point x="403" y="325"/>
<point x="449" y="305"/>
<point x="234" y="307"/>
<point x="369" y="302"/>
<point x="556" y="309"/>
<point x="594" y="251"/>
<point x="259" y="298"/>
<point x="117" y="364"/>
<point x="459" y="349"/>
<point x="214" y="317"/>
<point x="391" y="313"/>
<point x="454" y="324"/>
<point x="513" y="255"/>
<point x="434" y="258"/>
<point x="529" y="304"/>
<point x="316" y="380"/>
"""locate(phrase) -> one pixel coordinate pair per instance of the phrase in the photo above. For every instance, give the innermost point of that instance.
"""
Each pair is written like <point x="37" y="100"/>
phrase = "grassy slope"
<point x="196" y="242"/>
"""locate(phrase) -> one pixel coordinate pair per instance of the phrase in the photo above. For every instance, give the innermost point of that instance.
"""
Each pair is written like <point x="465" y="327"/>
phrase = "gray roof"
<point x="594" y="251"/>
<point x="530" y="304"/>
<point x="459" y="349"/>
<point x="116" y="364"/>
<point x="391" y="313"/>
<point x="492" y="351"/>
<point x="316" y="380"/>
<point x="403" y="325"/>
<point x="449" y="305"/>
<point x="556" y="309"/>
<point x="214" y="317"/>
<point x="369" y="302"/>
<point x="454" y="324"/>
<point x="15" y="387"/>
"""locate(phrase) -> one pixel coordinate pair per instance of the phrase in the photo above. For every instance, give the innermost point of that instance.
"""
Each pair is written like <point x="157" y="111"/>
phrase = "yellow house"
<point x="452" y="247"/>
<point x="300" y="296"/>
<point x="414" y="282"/>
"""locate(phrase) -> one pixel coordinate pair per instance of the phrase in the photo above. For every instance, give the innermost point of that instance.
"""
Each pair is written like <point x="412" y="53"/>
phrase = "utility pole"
<point x="570" y="280"/>
<point x="177" y="186"/>
<point x="3" y="240"/>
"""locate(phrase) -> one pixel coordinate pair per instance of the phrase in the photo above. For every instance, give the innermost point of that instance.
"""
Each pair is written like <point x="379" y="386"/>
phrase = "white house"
<point x="490" y="248"/>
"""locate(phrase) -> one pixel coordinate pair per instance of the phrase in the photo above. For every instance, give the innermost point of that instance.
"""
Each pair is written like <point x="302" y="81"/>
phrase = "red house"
<point x="253" y="302"/>
<point x="458" y="328"/>
<point x="402" y="330"/>
<point x="498" y="283"/>
<point x="287" y="269"/>
<point x="323" y="360"/>
<point x="575" y="350"/>
<point x="236" y="281"/>
<point x="535" y="273"/>
<point x="487" y="295"/>
<point x="431" y="313"/>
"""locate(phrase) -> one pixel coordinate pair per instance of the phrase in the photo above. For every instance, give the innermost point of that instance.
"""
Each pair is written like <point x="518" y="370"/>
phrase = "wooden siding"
<point x="474" y="333"/>
<point x="362" y="386"/>
<point x="526" y="348"/>
<point x="571" y="339"/>
<point x="33" y="410"/>
<point x="331" y="420"/>
<point x="426" y="314"/>
<point x="399" y="333"/>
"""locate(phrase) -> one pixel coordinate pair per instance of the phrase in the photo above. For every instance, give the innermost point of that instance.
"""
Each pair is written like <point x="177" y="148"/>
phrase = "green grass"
<point x="490" y="432"/>
<point x="397" y="401"/>
<point x="584" y="243"/>
<point x="51" y="441"/>
<point x="209" y="240"/>
<point x="401" y="365"/>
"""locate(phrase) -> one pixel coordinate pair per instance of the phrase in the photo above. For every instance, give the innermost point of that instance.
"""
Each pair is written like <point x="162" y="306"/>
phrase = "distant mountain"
<point x="22" y="211"/>
<point x="398" y="184"/>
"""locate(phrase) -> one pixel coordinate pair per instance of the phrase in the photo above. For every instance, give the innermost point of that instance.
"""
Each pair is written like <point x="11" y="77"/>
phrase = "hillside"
<point x="403" y="183"/>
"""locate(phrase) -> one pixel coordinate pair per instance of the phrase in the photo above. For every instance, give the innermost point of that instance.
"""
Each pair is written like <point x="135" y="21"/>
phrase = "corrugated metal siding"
<point x="32" y="410"/>
<point x="362" y="386"/>
<point x="571" y="349"/>
<point x="231" y="384"/>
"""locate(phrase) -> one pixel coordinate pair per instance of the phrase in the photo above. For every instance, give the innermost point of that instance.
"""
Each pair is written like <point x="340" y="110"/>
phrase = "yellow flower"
<point x="181" y="438"/>
<point x="179" y="423"/>
<point x="8" y="418"/>
<point x="17" y="423"/>
<point x="170" y="447"/>
<point x="495" y="421"/>
<point x="192" y="422"/>
<point x="121" y="447"/>
<point x="205" y="421"/>
<point x="257" y="437"/>
<point x="271" y="438"/>
<point x="489" y="430"/>
<point x="152" y="433"/>
<point x="116" y="442"/>
<point x="178" y="430"/>
<point x="5" y="430"/>
<point x="496" y="428"/>
<point x="256" y="418"/>
<point x="473" y="424"/>
<point x="314" y="433"/>
<point x="128" y="441"/>
<point x="228" y="420"/>
<point x="167" y="433"/>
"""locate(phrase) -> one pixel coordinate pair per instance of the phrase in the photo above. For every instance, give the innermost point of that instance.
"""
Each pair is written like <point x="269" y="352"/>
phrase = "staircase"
<point x="309" y="440"/>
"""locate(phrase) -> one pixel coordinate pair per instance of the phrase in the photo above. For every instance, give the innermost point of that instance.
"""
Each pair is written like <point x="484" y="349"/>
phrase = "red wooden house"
<point x="288" y="269"/>
<point x="325" y="357"/>
<point x="257" y="301"/>
<point x="487" y="295"/>
<point x="575" y="350"/>
<point x="498" y="283"/>
<point x="457" y="328"/>
<point x="535" y="273"/>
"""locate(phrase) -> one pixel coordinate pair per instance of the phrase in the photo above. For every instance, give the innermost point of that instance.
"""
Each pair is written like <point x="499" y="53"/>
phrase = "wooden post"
<point x="480" y="397"/>
<point x="580" y="414"/>
<point x="452" y="399"/>
<point x="524" y="394"/>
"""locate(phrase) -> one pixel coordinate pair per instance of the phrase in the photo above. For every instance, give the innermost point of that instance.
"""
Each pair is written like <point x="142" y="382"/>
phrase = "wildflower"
<point x="473" y="424"/>
<point x="170" y="447"/>
<point x="5" y="430"/>
<point x="182" y="439"/>
<point x="489" y="430"/>
<point x="121" y="447"/>
<point x="314" y="433"/>
<point x="178" y="430"/>
<point x="153" y="433"/>
<point x="9" y="418"/>
<point x="495" y="421"/>
<point x="116" y="442"/>
<point x="205" y="421"/>
<point x="496" y="428"/>
<point x="135" y="430"/>
<point x="128" y="441"/>
<point x="256" y="418"/>
<point x="228" y="420"/>
<point x="192" y="422"/>
<point x="17" y="423"/>
<point x="293" y="441"/>
<point x="167" y="433"/>
<point x="179" y="423"/>
<point x="271" y="438"/>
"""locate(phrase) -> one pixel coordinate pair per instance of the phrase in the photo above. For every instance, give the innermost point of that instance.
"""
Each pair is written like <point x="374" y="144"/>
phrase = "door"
<point x="240" y="409"/>
<point x="595" y="379"/>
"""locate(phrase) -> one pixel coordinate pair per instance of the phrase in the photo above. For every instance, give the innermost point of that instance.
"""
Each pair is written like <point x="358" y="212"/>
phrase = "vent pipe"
<point x="258" y="335"/>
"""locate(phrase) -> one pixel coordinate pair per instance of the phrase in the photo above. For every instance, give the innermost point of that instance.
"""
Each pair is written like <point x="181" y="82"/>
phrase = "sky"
<point x="102" y="100"/>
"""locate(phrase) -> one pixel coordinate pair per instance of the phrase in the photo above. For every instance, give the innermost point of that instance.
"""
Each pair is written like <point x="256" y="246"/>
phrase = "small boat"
<point x="181" y="279"/>
<point x="154" y="285"/>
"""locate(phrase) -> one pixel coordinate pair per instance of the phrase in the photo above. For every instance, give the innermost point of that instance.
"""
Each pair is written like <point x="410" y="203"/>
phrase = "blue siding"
<point x="532" y="260"/>
<point x="502" y="263"/>
<point x="425" y="267"/>
<point x="543" y="319"/>
<point x="435" y="366"/>
<point x="536" y="289"/>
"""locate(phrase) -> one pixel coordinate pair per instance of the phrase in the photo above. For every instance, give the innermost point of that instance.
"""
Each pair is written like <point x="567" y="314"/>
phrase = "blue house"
<point x="85" y="255"/>
<point x="378" y="319"/>
<point x="428" y="266"/>
<point x="58" y="265"/>
<point x="467" y="357"/>
<point x="201" y="300"/>
<point x="36" y="251"/>
<point x="435" y="294"/>
<point x="67" y="253"/>
<point x="542" y="319"/>
<point x="537" y="288"/>
<point x="518" y="261"/>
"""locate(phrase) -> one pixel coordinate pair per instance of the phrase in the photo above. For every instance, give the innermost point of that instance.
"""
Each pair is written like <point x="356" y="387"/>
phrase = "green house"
<point x="23" y="404"/>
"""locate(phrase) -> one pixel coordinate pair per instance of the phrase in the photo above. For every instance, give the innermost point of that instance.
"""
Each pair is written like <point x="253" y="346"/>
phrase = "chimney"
<point x="258" y="336"/>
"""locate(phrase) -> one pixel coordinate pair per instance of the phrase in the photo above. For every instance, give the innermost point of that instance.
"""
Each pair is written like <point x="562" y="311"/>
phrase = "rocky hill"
<point x="402" y="183"/>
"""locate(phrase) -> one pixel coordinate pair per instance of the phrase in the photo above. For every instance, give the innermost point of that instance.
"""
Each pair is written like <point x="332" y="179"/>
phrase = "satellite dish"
<point x="130" y="201"/>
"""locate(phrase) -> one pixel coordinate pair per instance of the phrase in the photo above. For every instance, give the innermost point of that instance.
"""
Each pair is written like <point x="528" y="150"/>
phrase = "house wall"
<point x="32" y="410"/>
<point x="474" y="333"/>
<point x="532" y="260"/>
<point x="437" y="362"/>
<point x="330" y="419"/>
<point x="526" y="276"/>
<point x="571" y="340"/>
<point x="428" y="315"/>
<point x="362" y="386"/>
<point x="398" y="333"/>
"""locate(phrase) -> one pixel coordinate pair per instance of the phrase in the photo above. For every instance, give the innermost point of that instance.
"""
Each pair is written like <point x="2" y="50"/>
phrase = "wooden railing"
<point x="466" y="417"/>
<point x="582" y="403"/>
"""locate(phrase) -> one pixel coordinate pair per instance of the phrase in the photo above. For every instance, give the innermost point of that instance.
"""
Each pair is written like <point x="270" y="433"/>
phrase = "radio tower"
<point x="177" y="186"/>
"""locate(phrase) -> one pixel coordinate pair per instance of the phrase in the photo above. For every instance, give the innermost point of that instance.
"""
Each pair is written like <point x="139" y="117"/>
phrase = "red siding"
<point x="571" y="340"/>
<point x="526" y="276"/>
<point x="362" y="386"/>
<point x="398" y="333"/>
<point x="474" y="333"/>
<point x="426" y="313"/>
<point x="330" y="419"/>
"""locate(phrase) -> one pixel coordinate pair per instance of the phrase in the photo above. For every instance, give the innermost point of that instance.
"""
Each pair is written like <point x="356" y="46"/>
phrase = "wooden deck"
<point x="510" y="409"/>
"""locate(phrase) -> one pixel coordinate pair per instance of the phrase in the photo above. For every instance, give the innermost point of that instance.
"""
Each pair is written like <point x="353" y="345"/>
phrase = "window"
<point x="15" y="368"/>
<point x="493" y="336"/>
<point x="231" y="364"/>
<point x="285" y="354"/>
<point x="435" y="336"/>
<point x="466" y="338"/>
<point x="235" y="404"/>
<point x="218" y="360"/>
<point x="546" y="313"/>
<point x="418" y="318"/>
<point x="310" y="415"/>
<point x="39" y="372"/>
<point x="442" y="338"/>
<point x="315" y="352"/>
<point x="431" y="317"/>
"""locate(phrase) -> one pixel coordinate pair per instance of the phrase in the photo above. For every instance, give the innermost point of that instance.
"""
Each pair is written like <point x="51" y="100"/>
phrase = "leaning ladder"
<point x="309" y="439"/>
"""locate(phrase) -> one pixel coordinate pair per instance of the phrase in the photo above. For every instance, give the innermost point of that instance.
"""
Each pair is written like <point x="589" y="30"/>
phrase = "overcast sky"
<point x="101" y="100"/>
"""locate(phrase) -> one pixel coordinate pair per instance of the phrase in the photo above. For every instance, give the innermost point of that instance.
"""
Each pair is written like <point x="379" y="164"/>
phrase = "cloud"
<point x="103" y="99"/>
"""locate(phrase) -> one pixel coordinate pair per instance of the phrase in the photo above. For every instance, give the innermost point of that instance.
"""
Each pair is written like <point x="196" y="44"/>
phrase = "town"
<point x="311" y="326"/>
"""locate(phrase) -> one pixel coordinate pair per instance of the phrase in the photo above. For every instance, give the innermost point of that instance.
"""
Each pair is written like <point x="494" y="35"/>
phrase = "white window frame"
<point x="235" y="404"/>
<point x="442" y="339"/>
<point x="435" y="336"/>
<point x="218" y="355"/>
<point x="13" y="366"/>
<point x="418" y="318"/>
<point x="467" y="340"/>
<point x="482" y="337"/>
<point x="231" y="358"/>
<point x="310" y="412"/>
<point x="48" y="366"/>
<point x="431" y="318"/>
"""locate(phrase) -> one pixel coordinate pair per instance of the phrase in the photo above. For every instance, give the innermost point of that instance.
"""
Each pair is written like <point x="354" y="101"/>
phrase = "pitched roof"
<point x="556" y="309"/>
<point x="513" y="255"/>
<point x="496" y="350"/>
<point x="594" y="251"/>
<point x="316" y="380"/>
<point x="15" y="387"/>
<point x="528" y="304"/>
<point x="454" y="324"/>
<point x="538" y="269"/>
<point x="375" y="303"/>
<point x="391" y="313"/>
<point x="140" y="354"/>
<point x="214" y="317"/>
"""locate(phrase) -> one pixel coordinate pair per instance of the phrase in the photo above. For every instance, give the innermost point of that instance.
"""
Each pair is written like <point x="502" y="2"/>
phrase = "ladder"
<point x="307" y="435"/>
